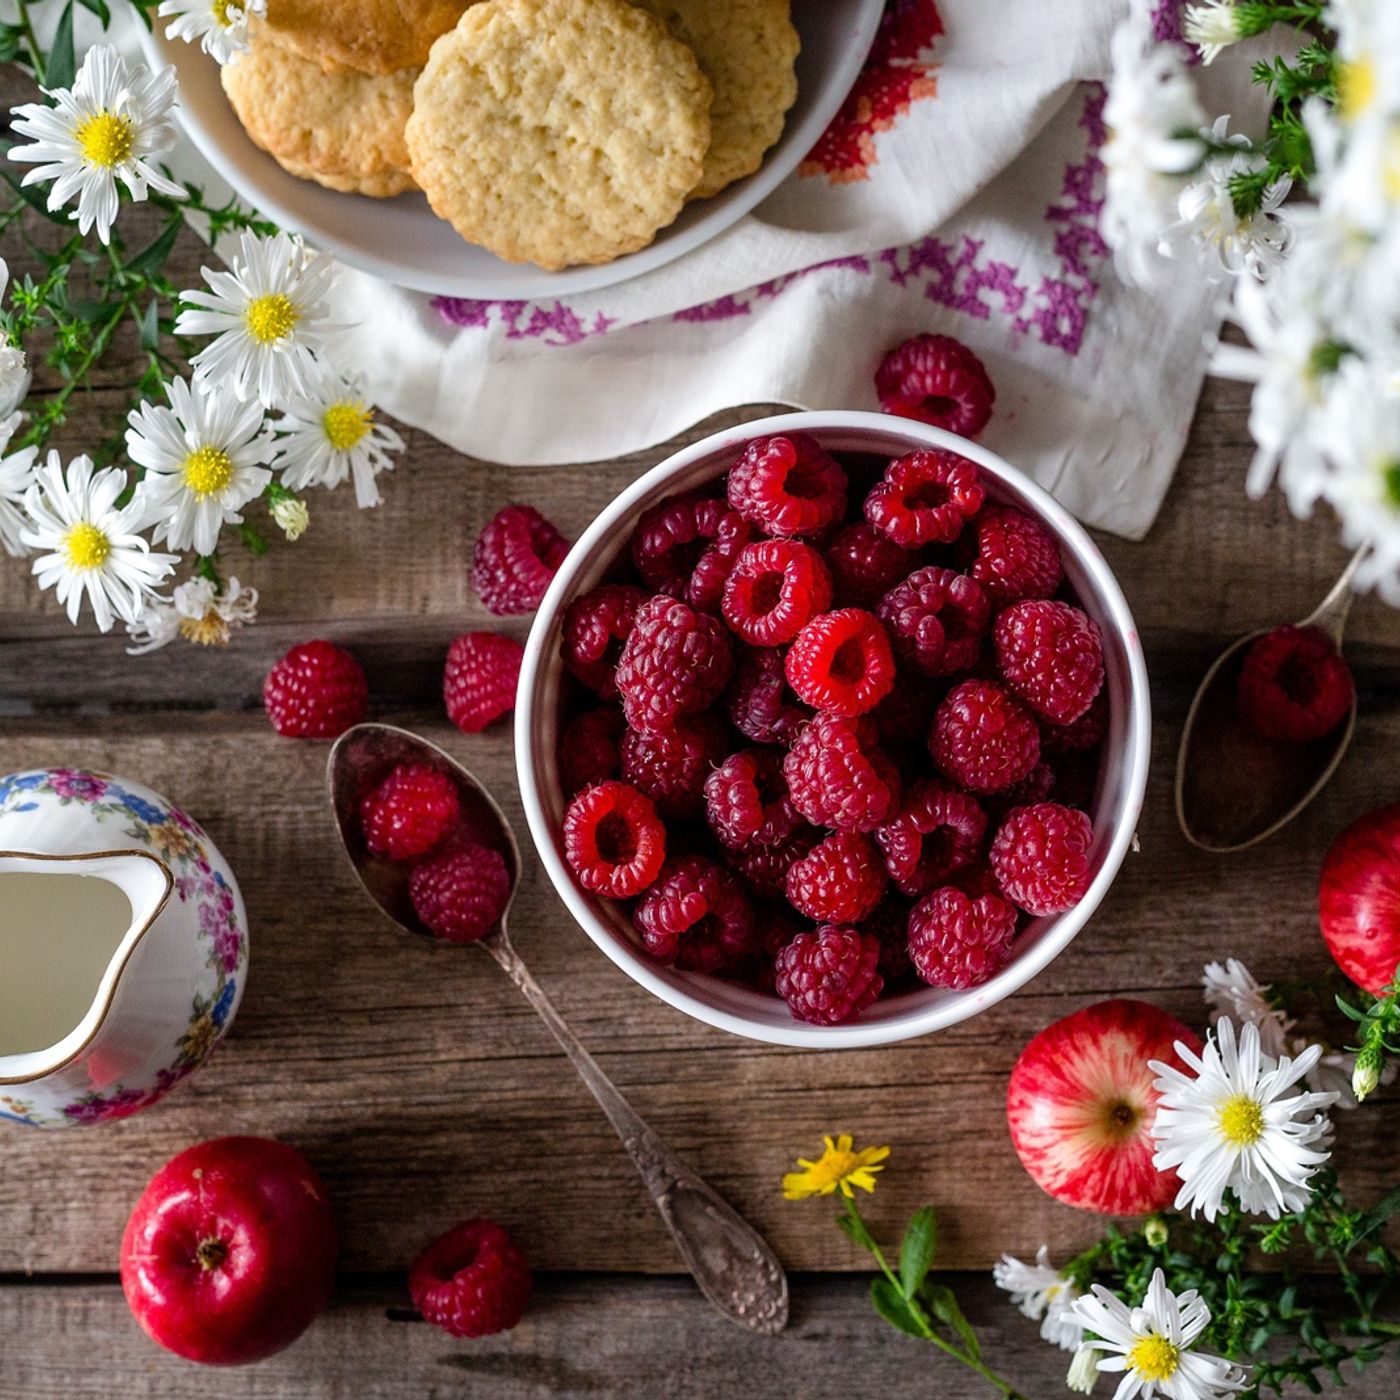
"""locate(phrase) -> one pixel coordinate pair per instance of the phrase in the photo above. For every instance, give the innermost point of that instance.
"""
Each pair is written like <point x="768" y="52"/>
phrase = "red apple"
<point x="230" y="1252"/>
<point x="1080" y="1106"/>
<point x="1358" y="899"/>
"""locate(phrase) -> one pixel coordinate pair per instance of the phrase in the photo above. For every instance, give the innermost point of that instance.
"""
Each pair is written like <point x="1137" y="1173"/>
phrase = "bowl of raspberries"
<point x="833" y="729"/>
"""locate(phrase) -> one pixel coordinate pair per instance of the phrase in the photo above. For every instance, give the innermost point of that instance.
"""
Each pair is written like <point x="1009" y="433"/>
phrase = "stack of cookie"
<point x="556" y="132"/>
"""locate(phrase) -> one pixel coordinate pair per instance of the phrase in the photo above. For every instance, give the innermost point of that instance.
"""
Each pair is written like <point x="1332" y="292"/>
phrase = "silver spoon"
<point x="732" y="1263"/>
<point x="1234" y="787"/>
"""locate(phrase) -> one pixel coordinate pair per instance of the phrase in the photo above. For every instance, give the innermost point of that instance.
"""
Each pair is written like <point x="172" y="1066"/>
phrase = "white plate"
<point x="402" y="240"/>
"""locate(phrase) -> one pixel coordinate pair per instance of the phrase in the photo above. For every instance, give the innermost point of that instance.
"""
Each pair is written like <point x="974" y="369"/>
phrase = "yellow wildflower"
<point x="840" y="1166"/>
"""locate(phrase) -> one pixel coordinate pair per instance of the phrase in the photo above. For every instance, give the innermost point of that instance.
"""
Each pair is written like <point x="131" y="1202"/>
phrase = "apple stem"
<point x="211" y="1253"/>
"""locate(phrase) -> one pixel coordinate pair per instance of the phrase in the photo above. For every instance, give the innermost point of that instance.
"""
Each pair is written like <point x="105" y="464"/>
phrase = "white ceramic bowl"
<point x="732" y="1006"/>
<point x="402" y="240"/>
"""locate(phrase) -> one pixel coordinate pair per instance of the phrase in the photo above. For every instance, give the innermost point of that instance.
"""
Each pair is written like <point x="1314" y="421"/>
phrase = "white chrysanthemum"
<point x="1152" y="1344"/>
<point x="268" y="314"/>
<point x="1043" y="1294"/>
<point x="107" y="127"/>
<point x="219" y="26"/>
<point x="197" y="611"/>
<point x="14" y="369"/>
<point x="1368" y="50"/>
<point x="205" y="458"/>
<point x="1226" y="1125"/>
<point x="1231" y="991"/>
<point x="94" y="548"/>
<point x="1212" y="27"/>
<point x="1083" y="1371"/>
<point x="329" y="434"/>
<point x="16" y="477"/>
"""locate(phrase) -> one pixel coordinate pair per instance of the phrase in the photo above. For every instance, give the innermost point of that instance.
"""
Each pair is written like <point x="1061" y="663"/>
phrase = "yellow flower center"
<point x="106" y="139"/>
<point x="346" y="423"/>
<point x="1391" y="168"/>
<point x="1356" y="87"/>
<point x="1154" y="1358"/>
<point x="1241" y="1121"/>
<point x="271" y="317"/>
<point x="221" y="9"/>
<point x="86" y="546"/>
<point x="207" y="631"/>
<point x="207" y="471"/>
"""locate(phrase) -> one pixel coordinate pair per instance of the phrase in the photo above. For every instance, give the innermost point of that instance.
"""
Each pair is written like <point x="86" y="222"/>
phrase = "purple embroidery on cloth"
<point x="1167" y="18"/>
<point x="553" y="323"/>
<point x="727" y="307"/>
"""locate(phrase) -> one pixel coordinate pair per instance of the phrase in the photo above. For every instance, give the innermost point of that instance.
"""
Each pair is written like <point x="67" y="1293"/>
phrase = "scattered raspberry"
<point x="760" y="705"/>
<point x="788" y="485"/>
<point x="936" y="379"/>
<point x="746" y="800"/>
<point x="471" y="1282"/>
<point x="938" y="831"/>
<point x="958" y="941"/>
<point x="764" y="868"/>
<point x="841" y="662"/>
<point x="1041" y="857"/>
<point x="830" y="975"/>
<point x="588" y="749"/>
<point x="865" y="564"/>
<point x="983" y="738"/>
<point x="671" y="767"/>
<point x="613" y="840"/>
<point x="686" y="546"/>
<point x="903" y="717"/>
<point x="480" y="678"/>
<point x="410" y="811"/>
<point x="696" y="917"/>
<point x="936" y="620"/>
<point x="837" y="775"/>
<point x="925" y="498"/>
<point x="1051" y="656"/>
<point x="1294" y="685"/>
<point x="1016" y="557"/>
<point x="676" y="662"/>
<point x="1087" y="732"/>
<point x="889" y="923"/>
<point x="839" y="881"/>
<point x="596" y="627"/>
<point x="516" y="556"/>
<point x="460" y="894"/>
<point x="774" y="589"/>
<point x="317" y="691"/>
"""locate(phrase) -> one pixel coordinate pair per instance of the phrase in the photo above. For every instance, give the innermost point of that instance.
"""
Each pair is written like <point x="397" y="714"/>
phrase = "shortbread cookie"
<point x="747" y="49"/>
<point x="368" y="36"/>
<point x="559" y="131"/>
<point x="343" y="130"/>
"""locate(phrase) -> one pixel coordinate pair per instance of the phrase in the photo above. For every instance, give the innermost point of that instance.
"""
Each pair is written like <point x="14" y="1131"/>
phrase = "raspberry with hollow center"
<point x="696" y="917"/>
<point x="472" y="1281"/>
<point x="1051" y="656"/>
<point x="841" y="662"/>
<point x="936" y="379"/>
<point x="595" y="628"/>
<point x="938" y="831"/>
<point x="1013" y="556"/>
<point x="460" y="894"/>
<point x="838" y="882"/>
<point x="747" y="802"/>
<point x="958" y="941"/>
<point x="774" y="589"/>
<point x="764" y="868"/>
<point x="829" y="975"/>
<point x="983" y="738"/>
<point x="316" y="691"/>
<point x="415" y="806"/>
<point x="936" y="620"/>
<point x="686" y="545"/>
<point x="925" y="498"/>
<point x="516" y="555"/>
<point x="671" y="767"/>
<point x="760" y="705"/>
<point x="1040" y="857"/>
<point x="788" y="485"/>
<point x="838" y="776"/>
<point x="676" y="662"/>
<point x="613" y="840"/>
<point x="588" y="749"/>
<point x="480" y="679"/>
<point x="1294" y="685"/>
<point x="865" y="564"/>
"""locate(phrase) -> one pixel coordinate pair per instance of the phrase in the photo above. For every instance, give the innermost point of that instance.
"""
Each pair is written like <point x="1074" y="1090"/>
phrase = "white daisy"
<point x="1152" y="1343"/>
<point x="331" y="433"/>
<point x="107" y="127"/>
<point x="14" y="369"/>
<point x="197" y="611"/>
<point x="16" y="476"/>
<point x="268" y="313"/>
<point x="1228" y="1127"/>
<point x="93" y="546"/>
<point x="1231" y="991"/>
<point x="1042" y="1293"/>
<point x="220" y="26"/>
<point x="205" y="458"/>
<point x="1212" y="27"/>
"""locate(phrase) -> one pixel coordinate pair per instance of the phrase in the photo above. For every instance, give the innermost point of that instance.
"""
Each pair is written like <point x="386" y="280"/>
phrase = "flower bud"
<point x="1083" y="1371"/>
<point x="1367" y="1073"/>
<point x="292" y="516"/>
<point x="1155" y="1232"/>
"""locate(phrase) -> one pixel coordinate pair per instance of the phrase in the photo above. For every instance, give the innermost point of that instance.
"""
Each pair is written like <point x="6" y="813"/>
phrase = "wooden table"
<point x="426" y="1091"/>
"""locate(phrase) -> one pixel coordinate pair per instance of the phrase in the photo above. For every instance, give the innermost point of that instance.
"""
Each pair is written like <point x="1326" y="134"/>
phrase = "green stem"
<point x="36" y="54"/>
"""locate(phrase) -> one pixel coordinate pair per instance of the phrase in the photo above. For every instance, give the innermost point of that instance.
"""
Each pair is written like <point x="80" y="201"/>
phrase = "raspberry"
<point x="696" y="917"/>
<point x="671" y="767"/>
<point x="1036" y="786"/>
<point x="760" y="705"/>
<point x="936" y="620"/>
<point x="830" y="975"/>
<point x="516" y="556"/>
<point x="1293" y="685"/>
<point x="841" y="662"/>
<point x="774" y="589"/>
<point x="865" y="564"/>
<point x="840" y="881"/>
<point x="746" y="800"/>
<point x="837" y="775"/>
<point x="1041" y="857"/>
<point x="983" y="739"/>
<point x="410" y="811"/>
<point x="905" y="714"/>
<point x="788" y="485"/>
<point x="1015" y="558"/>
<point x="936" y="379"/>
<point x="1083" y="734"/>
<point x="479" y="680"/>
<point x="925" y="498"/>
<point x="676" y="662"/>
<point x="471" y="1282"/>
<point x="1051" y="656"/>
<point x="460" y="894"/>
<point x="776" y="929"/>
<point x="317" y="691"/>
<point x="595" y="628"/>
<point x="958" y="941"/>
<point x="764" y="868"/>
<point x="937" y="832"/>
<point x="685" y="546"/>
<point x="613" y="840"/>
<point x="588" y="749"/>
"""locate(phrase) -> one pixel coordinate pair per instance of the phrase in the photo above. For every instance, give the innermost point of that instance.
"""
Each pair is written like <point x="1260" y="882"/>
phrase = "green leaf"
<point x="148" y="325"/>
<point x="891" y="1305"/>
<point x="917" y="1251"/>
<point x="62" y="65"/>
<point x="855" y="1230"/>
<point x="1372" y="1220"/>
<point x="944" y="1307"/>
<point x="99" y="8"/>
<point x="154" y="254"/>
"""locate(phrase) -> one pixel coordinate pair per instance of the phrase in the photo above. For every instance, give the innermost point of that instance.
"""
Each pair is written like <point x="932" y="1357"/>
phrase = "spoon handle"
<point x="1331" y="613"/>
<point x="732" y="1263"/>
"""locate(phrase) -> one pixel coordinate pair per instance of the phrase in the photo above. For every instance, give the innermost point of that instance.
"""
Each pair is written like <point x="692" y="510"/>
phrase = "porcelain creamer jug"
<point x="123" y="947"/>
